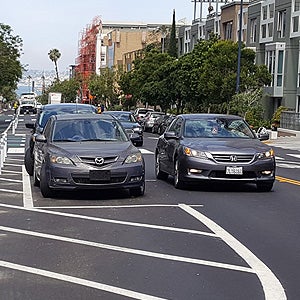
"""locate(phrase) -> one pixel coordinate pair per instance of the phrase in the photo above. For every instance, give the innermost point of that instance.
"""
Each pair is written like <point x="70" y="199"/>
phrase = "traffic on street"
<point x="206" y="241"/>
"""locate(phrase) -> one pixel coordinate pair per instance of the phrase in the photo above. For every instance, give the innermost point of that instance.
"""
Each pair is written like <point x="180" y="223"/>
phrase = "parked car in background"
<point x="44" y="113"/>
<point x="140" y="113"/>
<point x="161" y="123"/>
<point x="149" y="119"/>
<point x="209" y="147"/>
<point x="86" y="151"/>
<point x="128" y="121"/>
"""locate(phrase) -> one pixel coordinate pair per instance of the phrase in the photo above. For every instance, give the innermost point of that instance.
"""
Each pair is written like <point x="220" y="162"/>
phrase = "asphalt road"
<point x="211" y="242"/>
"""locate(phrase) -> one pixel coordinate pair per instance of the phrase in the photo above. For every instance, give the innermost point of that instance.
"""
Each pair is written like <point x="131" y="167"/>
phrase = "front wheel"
<point x="264" y="186"/>
<point x="28" y="161"/>
<point x="158" y="172"/>
<point x="178" y="183"/>
<point x="46" y="191"/>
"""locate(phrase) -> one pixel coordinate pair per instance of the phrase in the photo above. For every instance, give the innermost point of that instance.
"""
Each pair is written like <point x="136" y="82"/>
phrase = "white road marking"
<point x="27" y="195"/>
<point x="130" y="250"/>
<point x="294" y="155"/>
<point x="279" y="158"/>
<point x="271" y="285"/>
<point x="15" y="150"/>
<point x="114" y="206"/>
<point x="12" y="172"/>
<point x="288" y="166"/>
<point x="11" y="191"/>
<point x="12" y="165"/>
<point x="145" y="151"/>
<point x="11" y="180"/>
<point x="79" y="281"/>
<point x="82" y="217"/>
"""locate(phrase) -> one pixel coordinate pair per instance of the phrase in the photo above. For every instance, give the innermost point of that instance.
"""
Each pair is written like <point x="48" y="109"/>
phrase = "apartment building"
<point x="274" y="32"/>
<point x="272" y="29"/>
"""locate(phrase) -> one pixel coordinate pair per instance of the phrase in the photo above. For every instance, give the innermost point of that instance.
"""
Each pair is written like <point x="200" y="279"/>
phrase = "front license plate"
<point x="99" y="174"/>
<point x="234" y="170"/>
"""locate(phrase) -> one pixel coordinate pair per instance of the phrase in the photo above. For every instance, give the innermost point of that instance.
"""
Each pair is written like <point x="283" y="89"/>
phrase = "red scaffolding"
<point x="86" y="59"/>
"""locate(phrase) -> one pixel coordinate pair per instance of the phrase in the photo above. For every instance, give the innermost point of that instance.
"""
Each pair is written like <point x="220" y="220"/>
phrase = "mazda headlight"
<point x="195" y="153"/>
<point x="134" y="158"/>
<point x="267" y="154"/>
<point x="56" y="159"/>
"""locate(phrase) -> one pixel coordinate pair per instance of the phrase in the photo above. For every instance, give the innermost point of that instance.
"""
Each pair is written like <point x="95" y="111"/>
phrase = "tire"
<point x="140" y="144"/>
<point x="36" y="182"/>
<point x="264" y="186"/>
<point x="28" y="161"/>
<point x="178" y="183"/>
<point x="46" y="191"/>
<point x="137" y="192"/>
<point x="158" y="172"/>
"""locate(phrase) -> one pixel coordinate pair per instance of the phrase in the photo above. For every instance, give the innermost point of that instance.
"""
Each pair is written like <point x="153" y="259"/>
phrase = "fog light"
<point x="136" y="178"/>
<point x="60" y="180"/>
<point x="266" y="172"/>
<point x="195" y="171"/>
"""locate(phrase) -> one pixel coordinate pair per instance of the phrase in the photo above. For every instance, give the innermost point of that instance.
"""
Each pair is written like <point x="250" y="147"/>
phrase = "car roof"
<point x="208" y="116"/>
<point x="59" y="106"/>
<point x="117" y="112"/>
<point x="83" y="117"/>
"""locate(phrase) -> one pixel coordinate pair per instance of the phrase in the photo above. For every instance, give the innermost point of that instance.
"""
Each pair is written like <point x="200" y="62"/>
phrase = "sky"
<point x="44" y="25"/>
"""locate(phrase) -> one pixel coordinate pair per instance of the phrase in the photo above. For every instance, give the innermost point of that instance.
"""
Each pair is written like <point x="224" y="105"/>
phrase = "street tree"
<point x="54" y="55"/>
<point x="10" y="66"/>
<point x="104" y="86"/>
<point x="173" y="42"/>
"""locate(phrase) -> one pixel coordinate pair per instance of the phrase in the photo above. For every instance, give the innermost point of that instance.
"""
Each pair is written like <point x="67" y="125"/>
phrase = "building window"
<point x="253" y="30"/>
<point x="270" y="62"/>
<point x="296" y="24"/>
<point x="265" y="12"/>
<point x="271" y="10"/>
<point x="264" y="31"/>
<point x="270" y="29"/>
<point x="281" y="23"/>
<point x="280" y="68"/>
<point x="228" y="30"/>
<point x="296" y="5"/>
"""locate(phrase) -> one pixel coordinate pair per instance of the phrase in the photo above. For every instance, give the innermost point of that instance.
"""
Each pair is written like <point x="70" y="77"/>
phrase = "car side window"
<point x="176" y="126"/>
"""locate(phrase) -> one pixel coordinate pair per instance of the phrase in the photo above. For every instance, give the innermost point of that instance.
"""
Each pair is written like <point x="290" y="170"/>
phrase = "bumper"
<point x="195" y="170"/>
<point x="62" y="178"/>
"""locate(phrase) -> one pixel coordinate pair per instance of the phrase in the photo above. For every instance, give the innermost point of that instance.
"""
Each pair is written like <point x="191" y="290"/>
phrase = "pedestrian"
<point x="16" y="105"/>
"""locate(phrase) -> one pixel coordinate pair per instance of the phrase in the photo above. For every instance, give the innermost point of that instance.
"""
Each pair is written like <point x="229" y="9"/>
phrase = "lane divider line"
<point x="271" y="285"/>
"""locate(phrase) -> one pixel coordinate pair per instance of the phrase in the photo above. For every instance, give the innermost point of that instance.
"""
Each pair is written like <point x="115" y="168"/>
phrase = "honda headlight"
<point x="267" y="154"/>
<point x="134" y="158"/>
<point x="56" y="159"/>
<point x="195" y="153"/>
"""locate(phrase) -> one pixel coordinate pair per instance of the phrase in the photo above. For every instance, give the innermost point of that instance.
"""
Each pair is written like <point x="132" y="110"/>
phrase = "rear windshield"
<point x="46" y="114"/>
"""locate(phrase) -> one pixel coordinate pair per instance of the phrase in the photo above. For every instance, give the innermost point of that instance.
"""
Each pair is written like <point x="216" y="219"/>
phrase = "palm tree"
<point x="54" y="55"/>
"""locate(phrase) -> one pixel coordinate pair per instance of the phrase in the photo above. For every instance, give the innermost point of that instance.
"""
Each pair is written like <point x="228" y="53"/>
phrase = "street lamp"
<point x="239" y="49"/>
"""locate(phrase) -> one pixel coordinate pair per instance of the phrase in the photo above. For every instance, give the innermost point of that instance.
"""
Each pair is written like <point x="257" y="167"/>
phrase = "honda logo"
<point x="233" y="158"/>
<point x="99" y="161"/>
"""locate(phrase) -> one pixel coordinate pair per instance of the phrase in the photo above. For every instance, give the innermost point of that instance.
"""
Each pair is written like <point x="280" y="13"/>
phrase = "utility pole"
<point x="239" y="49"/>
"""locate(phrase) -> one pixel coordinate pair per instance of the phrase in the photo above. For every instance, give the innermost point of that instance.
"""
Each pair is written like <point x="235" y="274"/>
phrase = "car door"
<point x="40" y="148"/>
<point x="170" y="146"/>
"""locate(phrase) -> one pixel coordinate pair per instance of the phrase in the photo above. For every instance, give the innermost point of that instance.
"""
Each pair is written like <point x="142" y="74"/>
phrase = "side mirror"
<point x="263" y="136"/>
<point x="40" y="138"/>
<point x="170" y="135"/>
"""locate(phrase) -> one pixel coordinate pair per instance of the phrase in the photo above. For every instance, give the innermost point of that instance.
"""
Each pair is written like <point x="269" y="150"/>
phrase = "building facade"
<point x="272" y="29"/>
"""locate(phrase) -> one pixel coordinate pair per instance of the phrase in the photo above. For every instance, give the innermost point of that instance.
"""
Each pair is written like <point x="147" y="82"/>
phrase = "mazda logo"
<point x="99" y="161"/>
<point x="233" y="158"/>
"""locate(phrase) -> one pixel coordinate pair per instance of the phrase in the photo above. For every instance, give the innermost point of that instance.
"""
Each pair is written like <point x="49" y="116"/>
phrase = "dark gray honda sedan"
<point x="213" y="147"/>
<point x="87" y="151"/>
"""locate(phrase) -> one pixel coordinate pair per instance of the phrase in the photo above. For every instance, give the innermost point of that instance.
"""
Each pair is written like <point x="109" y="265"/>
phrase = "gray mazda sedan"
<point x="213" y="147"/>
<point x="86" y="151"/>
